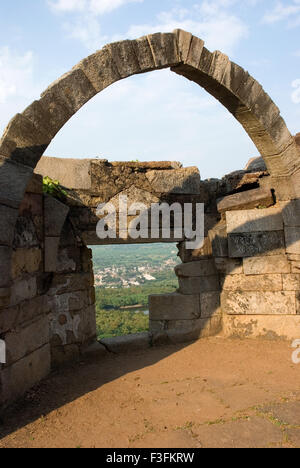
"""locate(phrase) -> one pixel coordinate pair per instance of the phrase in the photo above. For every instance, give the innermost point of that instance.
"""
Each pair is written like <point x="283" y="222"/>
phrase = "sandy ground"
<point x="213" y="393"/>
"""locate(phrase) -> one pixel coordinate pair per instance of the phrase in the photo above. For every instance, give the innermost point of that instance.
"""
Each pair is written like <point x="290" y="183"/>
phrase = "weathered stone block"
<point x="187" y="256"/>
<point x="50" y="114"/>
<point x="4" y="297"/>
<point x="265" y="110"/>
<point x="26" y="261"/>
<point x="91" y="296"/>
<point x="184" y="43"/>
<point x="210" y="304"/>
<point x="191" y="286"/>
<point x="266" y="265"/>
<point x="23" y="142"/>
<point x="256" y="244"/>
<point x="291" y="213"/>
<point x="8" y="318"/>
<point x="253" y="283"/>
<point x="164" y="49"/>
<point x="292" y="240"/>
<point x="35" y="185"/>
<point x="61" y="355"/>
<point x="14" y="179"/>
<point x="55" y="216"/>
<point x="51" y="253"/>
<point x="87" y="330"/>
<point x="185" y="331"/>
<point x="229" y="266"/>
<point x="279" y="164"/>
<point x="194" y="52"/>
<point x="174" y="307"/>
<point x="5" y="262"/>
<point x="74" y="89"/>
<point x="128" y="343"/>
<point x="295" y="182"/>
<point x="7" y="228"/>
<point x="283" y="187"/>
<point x="218" y="65"/>
<point x="144" y="54"/>
<point x="181" y="181"/>
<point x="22" y="375"/>
<point x="71" y="173"/>
<point x="264" y="220"/>
<point x="86" y="259"/>
<point x="26" y="233"/>
<point x="258" y="303"/>
<point x="205" y="63"/>
<point x="124" y="56"/>
<point x="30" y="310"/>
<point x="281" y="134"/>
<point x="256" y="165"/>
<point x="23" y="341"/>
<point x="100" y="69"/>
<point x="68" y="260"/>
<point x="204" y="267"/>
<point x="267" y="327"/>
<point x="219" y="241"/>
<point x="254" y="92"/>
<point x="94" y="350"/>
<point x="71" y="282"/>
<point x="233" y="76"/>
<point x="31" y="205"/>
<point x="23" y="290"/>
<point x="246" y="200"/>
<point x="69" y="302"/>
<point x="156" y="326"/>
<point x="291" y="282"/>
<point x="295" y="266"/>
<point x="245" y="86"/>
<point x="78" y="300"/>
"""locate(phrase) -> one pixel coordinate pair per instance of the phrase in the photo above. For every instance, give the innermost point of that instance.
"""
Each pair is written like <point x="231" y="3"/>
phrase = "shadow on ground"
<point x="215" y="392"/>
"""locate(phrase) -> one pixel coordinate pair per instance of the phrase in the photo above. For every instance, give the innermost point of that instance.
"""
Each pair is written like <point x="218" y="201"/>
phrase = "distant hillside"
<point x="125" y="275"/>
<point x="132" y="265"/>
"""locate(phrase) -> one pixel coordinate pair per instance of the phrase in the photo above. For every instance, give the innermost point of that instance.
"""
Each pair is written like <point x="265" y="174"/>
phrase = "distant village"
<point x="115" y="277"/>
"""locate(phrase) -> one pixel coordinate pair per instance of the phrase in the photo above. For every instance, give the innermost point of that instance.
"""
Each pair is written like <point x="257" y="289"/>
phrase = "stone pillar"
<point x="194" y="311"/>
<point x="71" y="300"/>
<point x="24" y="326"/>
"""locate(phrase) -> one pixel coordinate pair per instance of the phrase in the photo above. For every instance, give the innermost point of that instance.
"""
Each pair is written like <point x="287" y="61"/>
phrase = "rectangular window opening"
<point x="125" y="276"/>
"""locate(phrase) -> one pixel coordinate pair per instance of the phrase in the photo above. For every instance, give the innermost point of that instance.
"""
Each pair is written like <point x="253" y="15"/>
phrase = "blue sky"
<point x="157" y="116"/>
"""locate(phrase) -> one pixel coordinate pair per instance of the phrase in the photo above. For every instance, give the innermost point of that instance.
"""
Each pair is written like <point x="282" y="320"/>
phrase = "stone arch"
<point x="28" y="134"/>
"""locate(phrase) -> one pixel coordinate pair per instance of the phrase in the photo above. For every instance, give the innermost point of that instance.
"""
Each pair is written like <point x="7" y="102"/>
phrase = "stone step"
<point x="205" y="267"/>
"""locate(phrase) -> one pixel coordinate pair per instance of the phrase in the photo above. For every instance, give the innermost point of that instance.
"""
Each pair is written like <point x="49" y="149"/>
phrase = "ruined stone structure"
<point x="244" y="282"/>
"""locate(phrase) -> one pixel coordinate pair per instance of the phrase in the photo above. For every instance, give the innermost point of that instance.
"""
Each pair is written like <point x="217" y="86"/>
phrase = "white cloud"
<point x="95" y="7"/>
<point x="100" y="7"/>
<point x="284" y="11"/>
<point x="215" y="21"/>
<point x="84" y="24"/>
<point x="212" y="21"/>
<point x="87" y="30"/>
<point x="16" y="73"/>
<point x="296" y="94"/>
<point x="18" y="83"/>
<point x="68" y="5"/>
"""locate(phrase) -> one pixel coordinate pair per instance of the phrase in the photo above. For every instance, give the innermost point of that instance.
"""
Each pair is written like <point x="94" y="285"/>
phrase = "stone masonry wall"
<point x="23" y="321"/>
<point x="47" y="316"/>
<point x="245" y="281"/>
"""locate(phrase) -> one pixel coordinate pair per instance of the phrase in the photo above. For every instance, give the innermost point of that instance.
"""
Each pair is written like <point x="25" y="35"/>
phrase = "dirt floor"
<point x="213" y="393"/>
